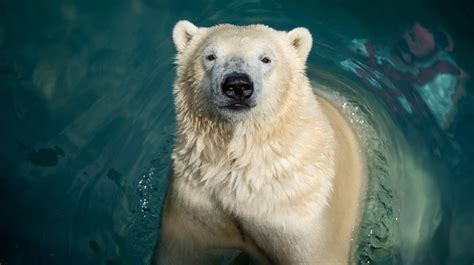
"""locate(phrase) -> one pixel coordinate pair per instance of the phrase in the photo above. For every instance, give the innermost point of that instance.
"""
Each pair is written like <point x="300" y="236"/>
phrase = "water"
<point x="87" y="121"/>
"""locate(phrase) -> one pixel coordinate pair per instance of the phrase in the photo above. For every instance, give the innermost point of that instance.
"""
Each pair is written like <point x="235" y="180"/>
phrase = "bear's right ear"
<point x="183" y="32"/>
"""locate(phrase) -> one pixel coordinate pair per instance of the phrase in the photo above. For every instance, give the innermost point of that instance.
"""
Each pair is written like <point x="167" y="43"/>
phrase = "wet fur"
<point x="283" y="184"/>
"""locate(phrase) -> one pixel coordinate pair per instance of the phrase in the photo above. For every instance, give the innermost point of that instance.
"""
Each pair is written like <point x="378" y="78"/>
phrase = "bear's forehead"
<point x="252" y="33"/>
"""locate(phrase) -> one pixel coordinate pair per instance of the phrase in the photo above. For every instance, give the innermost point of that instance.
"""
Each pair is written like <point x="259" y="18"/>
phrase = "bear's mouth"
<point x="238" y="106"/>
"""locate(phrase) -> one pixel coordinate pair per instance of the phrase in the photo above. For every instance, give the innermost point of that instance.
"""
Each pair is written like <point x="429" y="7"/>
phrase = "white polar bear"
<point x="260" y="163"/>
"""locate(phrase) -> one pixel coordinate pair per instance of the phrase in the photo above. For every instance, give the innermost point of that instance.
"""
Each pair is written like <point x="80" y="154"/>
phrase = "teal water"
<point x="87" y="117"/>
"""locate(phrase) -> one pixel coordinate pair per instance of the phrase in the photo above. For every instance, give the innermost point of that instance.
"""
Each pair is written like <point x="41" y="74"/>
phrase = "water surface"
<point x="87" y="117"/>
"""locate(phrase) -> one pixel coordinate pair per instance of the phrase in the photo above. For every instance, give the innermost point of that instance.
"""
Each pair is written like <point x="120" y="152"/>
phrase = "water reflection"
<point x="416" y="76"/>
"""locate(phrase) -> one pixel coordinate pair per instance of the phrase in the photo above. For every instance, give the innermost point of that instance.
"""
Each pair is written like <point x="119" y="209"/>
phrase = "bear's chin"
<point x="236" y="111"/>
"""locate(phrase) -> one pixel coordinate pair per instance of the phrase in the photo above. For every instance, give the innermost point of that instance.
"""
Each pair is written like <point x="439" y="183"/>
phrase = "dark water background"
<point x="87" y="115"/>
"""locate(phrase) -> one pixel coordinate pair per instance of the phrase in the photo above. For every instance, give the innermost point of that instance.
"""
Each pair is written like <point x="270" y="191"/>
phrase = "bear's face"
<point x="234" y="71"/>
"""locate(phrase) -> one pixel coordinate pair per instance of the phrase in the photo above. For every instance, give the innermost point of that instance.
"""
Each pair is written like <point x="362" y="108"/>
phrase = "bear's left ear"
<point x="183" y="32"/>
<point x="301" y="40"/>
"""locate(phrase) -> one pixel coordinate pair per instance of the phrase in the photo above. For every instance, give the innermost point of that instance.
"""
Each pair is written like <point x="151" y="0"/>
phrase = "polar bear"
<point x="260" y="163"/>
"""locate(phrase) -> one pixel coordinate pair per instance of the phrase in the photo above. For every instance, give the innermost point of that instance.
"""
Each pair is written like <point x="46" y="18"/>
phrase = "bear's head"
<point x="234" y="73"/>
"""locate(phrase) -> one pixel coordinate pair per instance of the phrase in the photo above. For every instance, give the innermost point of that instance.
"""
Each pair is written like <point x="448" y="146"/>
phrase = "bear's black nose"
<point x="237" y="86"/>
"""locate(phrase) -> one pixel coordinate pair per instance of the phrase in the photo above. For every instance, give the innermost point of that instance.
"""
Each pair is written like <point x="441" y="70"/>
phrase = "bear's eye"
<point x="265" y="60"/>
<point x="211" y="57"/>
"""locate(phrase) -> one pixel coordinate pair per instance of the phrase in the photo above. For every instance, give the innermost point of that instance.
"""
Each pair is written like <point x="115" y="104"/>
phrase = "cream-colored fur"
<point x="282" y="182"/>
